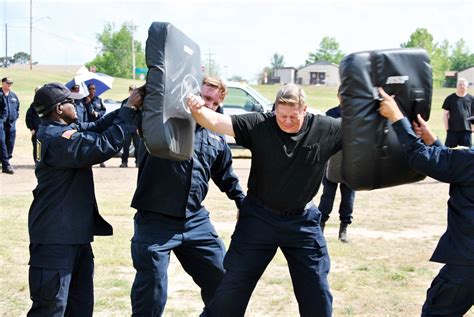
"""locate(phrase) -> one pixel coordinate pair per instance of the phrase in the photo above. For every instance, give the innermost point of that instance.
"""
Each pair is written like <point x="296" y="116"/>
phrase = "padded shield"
<point x="174" y="72"/>
<point x="372" y="156"/>
<point x="333" y="170"/>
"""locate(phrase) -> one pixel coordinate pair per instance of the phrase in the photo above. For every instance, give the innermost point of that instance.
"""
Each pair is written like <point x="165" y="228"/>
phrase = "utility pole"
<point x="132" y="31"/>
<point x="31" y="34"/>
<point x="5" y="62"/>
<point x="210" y="61"/>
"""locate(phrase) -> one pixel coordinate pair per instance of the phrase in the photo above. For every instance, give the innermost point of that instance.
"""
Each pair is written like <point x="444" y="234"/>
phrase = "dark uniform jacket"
<point x="83" y="112"/>
<point x="334" y="112"/>
<point x="96" y="105"/>
<point x="9" y="108"/>
<point x="132" y="129"/>
<point x="177" y="188"/>
<point x="64" y="209"/>
<point x="32" y="119"/>
<point x="455" y="167"/>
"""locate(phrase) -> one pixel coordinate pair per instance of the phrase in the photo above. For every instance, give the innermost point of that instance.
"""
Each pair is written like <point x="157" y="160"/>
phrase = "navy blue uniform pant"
<point x="196" y="245"/>
<point x="34" y="140"/>
<point x="129" y="138"/>
<point x="463" y="138"/>
<point x="327" y="201"/>
<point x="61" y="280"/>
<point x="451" y="292"/>
<point x="4" y="156"/>
<point x="10" y="137"/>
<point x="258" y="234"/>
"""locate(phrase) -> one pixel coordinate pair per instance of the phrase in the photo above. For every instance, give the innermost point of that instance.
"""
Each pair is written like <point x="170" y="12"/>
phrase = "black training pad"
<point x="174" y="71"/>
<point x="372" y="156"/>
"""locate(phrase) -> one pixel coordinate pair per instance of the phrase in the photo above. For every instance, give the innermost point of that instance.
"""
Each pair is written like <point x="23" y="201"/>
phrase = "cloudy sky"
<point x="241" y="35"/>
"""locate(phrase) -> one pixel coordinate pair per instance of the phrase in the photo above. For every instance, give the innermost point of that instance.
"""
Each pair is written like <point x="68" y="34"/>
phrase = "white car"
<point x="241" y="98"/>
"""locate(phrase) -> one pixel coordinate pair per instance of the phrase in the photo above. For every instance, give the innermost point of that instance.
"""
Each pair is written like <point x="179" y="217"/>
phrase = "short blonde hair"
<point x="216" y="82"/>
<point x="291" y="94"/>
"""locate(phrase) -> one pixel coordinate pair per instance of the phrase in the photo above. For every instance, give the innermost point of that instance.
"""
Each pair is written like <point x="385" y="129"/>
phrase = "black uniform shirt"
<point x="286" y="169"/>
<point x="459" y="109"/>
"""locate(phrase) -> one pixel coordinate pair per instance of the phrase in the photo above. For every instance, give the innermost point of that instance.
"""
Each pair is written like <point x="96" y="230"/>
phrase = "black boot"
<point x="343" y="233"/>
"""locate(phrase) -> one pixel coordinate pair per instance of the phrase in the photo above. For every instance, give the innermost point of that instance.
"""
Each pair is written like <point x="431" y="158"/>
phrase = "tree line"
<point x="443" y="56"/>
<point x="114" y="54"/>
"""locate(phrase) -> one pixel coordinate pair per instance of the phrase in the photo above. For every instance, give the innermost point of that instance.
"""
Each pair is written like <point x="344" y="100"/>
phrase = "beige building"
<point x="319" y="73"/>
<point x="284" y="75"/>
<point x="468" y="74"/>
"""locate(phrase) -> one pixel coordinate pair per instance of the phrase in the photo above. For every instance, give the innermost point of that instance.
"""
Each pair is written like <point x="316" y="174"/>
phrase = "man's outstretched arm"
<point x="208" y="118"/>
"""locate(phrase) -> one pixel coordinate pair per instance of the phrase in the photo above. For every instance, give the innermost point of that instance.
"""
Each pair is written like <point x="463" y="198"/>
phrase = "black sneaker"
<point x="8" y="169"/>
<point x="124" y="164"/>
<point x="102" y="165"/>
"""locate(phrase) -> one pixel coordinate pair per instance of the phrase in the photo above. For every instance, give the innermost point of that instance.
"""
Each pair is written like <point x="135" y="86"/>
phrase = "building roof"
<point x="320" y="63"/>
<point x="472" y="66"/>
<point x="285" y="68"/>
<point x="450" y="73"/>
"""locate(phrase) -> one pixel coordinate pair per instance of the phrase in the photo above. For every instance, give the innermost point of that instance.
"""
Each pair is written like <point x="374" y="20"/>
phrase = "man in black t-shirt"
<point x="457" y="108"/>
<point x="290" y="149"/>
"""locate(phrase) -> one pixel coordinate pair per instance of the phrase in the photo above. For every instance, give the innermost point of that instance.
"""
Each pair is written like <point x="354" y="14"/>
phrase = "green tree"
<point x="438" y="53"/>
<point x="115" y="51"/>
<point x="328" y="51"/>
<point x="277" y="61"/>
<point x="21" y="58"/>
<point x="460" y="57"/>
<point x="236" y="78"/>
<point x="421" y="38"/>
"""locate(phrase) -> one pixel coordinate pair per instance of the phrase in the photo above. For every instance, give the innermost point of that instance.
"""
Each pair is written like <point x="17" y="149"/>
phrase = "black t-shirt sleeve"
<point x="332" y="127"/>
<point x="243" y="126"/>
<point x="472" y="104"/>
<point x="447" y="103"/>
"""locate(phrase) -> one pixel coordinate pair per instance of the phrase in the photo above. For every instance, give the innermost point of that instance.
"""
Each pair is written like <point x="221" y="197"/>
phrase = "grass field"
<point x="384" y="271"/>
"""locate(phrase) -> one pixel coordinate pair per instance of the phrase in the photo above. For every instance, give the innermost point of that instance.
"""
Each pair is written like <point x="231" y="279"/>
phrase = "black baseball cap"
<point x="48" y="96"/>
<point x="7" y="80"/>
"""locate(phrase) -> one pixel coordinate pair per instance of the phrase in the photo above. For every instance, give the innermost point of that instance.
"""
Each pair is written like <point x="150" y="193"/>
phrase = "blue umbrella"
<point x="102" y="82"/>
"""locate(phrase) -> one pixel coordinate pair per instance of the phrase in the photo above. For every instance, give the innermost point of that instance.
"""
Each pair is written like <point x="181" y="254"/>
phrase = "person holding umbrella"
<point x="95" y="107"/>
<point x="94" y="104"/>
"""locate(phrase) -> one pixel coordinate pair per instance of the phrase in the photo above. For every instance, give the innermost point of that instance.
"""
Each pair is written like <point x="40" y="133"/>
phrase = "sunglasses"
<point x="68" y="100"/>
